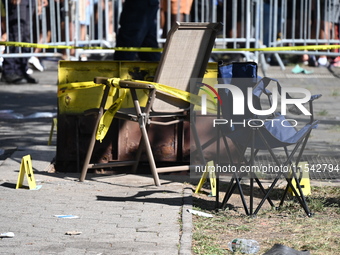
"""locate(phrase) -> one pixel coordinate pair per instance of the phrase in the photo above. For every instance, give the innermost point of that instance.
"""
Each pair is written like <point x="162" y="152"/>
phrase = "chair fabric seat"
<point x="275" y="134"/>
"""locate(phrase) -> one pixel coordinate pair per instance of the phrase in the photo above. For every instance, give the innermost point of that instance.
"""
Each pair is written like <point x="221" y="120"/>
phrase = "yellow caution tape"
<point x="108" y="116"/>
<point x="106" y="119"/>
<point x="139" y="49"/>
<point x="286" y="48"/>
<point x="62" y="88"/>
<point x="49" y="46"/>
<point x="149" y="49"/>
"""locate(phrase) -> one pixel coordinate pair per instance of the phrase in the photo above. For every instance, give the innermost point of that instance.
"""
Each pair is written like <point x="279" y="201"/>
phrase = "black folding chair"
<point x="249" y="130"/>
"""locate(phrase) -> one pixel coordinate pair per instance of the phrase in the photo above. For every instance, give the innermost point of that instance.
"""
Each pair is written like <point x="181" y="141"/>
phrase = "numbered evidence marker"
<point x="26" y="169"/>
<point x="303" y="176"/>
<point x="212" y="177"/>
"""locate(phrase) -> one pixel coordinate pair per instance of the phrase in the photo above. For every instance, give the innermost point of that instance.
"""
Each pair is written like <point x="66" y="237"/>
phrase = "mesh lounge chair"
<point x="185" y="56"/>
<point x="258" y="134"/>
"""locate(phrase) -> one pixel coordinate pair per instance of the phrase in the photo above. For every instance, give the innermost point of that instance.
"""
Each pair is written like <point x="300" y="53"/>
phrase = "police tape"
<point x="150" y="49"/>
<point x="63" y="47"/>
<point x="114" y="83"/>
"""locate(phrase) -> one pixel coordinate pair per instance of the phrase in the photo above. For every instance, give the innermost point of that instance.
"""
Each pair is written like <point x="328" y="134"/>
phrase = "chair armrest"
<point x="100" y="80"/>
<point x="135" y="85"/>
<point x="314" y="97"/>
<point x="311" y="109"/>
<point x="294" y="110"/>
<point x="127" y="84"/>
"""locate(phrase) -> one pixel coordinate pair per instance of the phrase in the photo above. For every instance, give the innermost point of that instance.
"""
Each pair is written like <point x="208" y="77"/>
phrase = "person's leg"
<point x="14" y="69"/>
<point x="150" y="38"/>
<point x="325" y="33"/>
<point x="27" y="19"/>
<point x="134" y="22"/>
<point x="11" y="66"/>
<point x="330" y="15"/>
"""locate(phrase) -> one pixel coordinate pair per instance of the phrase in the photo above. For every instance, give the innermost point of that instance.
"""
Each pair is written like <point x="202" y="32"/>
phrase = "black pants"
<point x="17" y="65"/>
<point x="138" y="29"/>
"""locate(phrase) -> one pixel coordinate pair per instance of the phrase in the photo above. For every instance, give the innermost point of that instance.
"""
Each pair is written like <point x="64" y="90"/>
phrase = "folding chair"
<point x="185" y="56"/>
<point x="262" y="133"/>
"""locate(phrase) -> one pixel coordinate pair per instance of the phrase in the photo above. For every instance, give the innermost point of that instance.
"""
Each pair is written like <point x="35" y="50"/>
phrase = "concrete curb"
<point x="186" y="237"/>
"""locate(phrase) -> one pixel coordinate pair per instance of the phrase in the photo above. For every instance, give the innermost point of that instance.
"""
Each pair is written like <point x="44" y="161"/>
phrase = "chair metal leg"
<point x="300" y="196"/>
<point x="228" y="193"/>
<point x="138" y="155"/>
<point x="93" y="137"/>
<point x="301" y="199"/>
<point x="217" y="200"/>
<point x="143" y="120"/>
<point x="150" y="154"/>
<point x="242" y="196"/>
<point x="252" y="160"/>
<point x="264" y="191"/>
<point x="234" y="183"/>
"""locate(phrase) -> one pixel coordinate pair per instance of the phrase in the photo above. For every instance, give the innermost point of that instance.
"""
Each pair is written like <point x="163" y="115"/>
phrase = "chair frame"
<point x="298" y="146"/>
<point x="143" y="115"/>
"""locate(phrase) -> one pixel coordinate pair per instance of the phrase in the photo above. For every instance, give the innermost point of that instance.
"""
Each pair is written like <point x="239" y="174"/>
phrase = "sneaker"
<point x="312" y="61"/>
<point x="34" y="61"/>
<point x="30" y="79"/>
<point x="323" y="61"/>
<point x="29" y="71"/>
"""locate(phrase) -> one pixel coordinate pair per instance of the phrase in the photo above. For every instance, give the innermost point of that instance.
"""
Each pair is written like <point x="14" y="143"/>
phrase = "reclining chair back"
<point x="186" y="54"/>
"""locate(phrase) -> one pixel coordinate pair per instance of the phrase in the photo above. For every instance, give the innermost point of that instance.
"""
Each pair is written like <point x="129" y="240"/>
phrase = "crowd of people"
<point x="323" y="17"/>
<point x="137" y="25"/>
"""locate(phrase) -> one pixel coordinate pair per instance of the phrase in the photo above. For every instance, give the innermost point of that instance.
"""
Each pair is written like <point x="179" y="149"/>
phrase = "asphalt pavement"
<point x="124" y="214"/>
<point x="111" y="214"/>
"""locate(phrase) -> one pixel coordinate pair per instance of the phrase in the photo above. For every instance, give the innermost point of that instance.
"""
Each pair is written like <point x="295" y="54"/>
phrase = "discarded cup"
<point x="73" y="233"/>
<point x="200" y="213"/>
<point x="67" y="216"/>
<point x="7" y="235"/>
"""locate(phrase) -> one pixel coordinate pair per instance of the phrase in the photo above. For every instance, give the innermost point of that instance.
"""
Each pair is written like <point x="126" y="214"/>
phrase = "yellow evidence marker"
<point x="26" y="169"/>
<point x="212" y="177"/>
<point x="304" y="182"/>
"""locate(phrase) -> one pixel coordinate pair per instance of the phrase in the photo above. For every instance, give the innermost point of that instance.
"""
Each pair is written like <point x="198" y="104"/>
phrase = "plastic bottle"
<point x="245" y="246"/>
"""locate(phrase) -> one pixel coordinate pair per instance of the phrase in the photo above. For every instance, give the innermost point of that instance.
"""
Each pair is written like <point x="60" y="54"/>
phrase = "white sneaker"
<point x="323" y="61"/>
<point x="36" y="63"/>
<point x="29" y="71"/>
